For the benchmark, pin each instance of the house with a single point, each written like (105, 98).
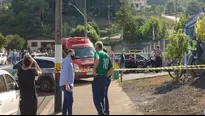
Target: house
(40, 41)
(139, 4)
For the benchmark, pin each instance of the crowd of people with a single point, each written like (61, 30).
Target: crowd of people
(102, 71)
(14, 56)
(49, 53)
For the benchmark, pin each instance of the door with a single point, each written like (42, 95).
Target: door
(14, 94)
(46, 66)
(5, 98)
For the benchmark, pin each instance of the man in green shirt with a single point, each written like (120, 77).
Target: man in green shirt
(102, 70)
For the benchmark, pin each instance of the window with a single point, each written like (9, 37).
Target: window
(34, 44)
(84, 52)
(9, 82)
(139, 57)
(2, 84)
(45, 64)
(18, 65)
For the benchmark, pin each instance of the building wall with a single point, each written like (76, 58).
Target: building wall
(138, 4)
(38, 43)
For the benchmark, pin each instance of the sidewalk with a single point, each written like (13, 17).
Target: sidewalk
(127, 77)
(120, 103)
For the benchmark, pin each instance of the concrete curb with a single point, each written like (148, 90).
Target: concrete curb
(48, 108)
(143, 76)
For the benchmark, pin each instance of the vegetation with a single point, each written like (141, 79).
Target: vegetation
(3, 41)
(138, 27)
(79, 31)
(179, 45)
(181, 23)
(15, 42)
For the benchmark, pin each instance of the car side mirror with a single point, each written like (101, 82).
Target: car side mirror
(15, 86)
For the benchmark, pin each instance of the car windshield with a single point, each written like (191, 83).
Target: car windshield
(84, 53)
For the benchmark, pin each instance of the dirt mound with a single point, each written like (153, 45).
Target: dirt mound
(160, 96)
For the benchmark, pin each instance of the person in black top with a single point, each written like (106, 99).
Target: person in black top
(122, 60)
(26, 80)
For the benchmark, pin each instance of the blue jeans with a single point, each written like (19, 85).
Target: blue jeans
(98, 88)
(68, 101)
(106, 96)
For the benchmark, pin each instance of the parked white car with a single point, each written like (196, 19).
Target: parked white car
(3, 58)
(9, 94)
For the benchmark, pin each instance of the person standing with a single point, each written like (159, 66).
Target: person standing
(102, 70)
(14, 56)
(67, 83)
(17, 55)
(26, 80)
(106, 110)
(9, 57)
(122, 60)
(158, 57)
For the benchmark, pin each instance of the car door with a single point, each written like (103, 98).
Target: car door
(5, 98)
(14, 94)
(47, 67)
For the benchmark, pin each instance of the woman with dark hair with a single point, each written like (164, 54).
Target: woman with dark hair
(27, 86)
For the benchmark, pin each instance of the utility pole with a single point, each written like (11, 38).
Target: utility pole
(58, 54)
(176, 9)
(109, 34)
(85, 17)
(153, 35)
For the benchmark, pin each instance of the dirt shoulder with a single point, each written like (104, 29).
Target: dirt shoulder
(160, 96)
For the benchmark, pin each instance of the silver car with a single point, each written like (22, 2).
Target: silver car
(46, 81)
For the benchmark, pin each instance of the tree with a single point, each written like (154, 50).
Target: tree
(3, 41)
(95, 26)
(179, 45)
(79, 32)
(156, 24)
(27, 17)
(193, 8)
(124, 14)
(132, 29)
(15, 42)
(181, 23)
(65, 30)
(170, 7)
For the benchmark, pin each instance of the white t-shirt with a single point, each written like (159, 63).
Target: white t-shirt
(152, 55)
(17, 54)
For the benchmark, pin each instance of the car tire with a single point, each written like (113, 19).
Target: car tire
(46, 84)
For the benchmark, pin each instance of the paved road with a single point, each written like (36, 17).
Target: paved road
(43, 100)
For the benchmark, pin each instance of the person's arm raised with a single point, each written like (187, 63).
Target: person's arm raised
(38, 69)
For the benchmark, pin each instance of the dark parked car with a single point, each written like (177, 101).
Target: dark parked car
(141, 61)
